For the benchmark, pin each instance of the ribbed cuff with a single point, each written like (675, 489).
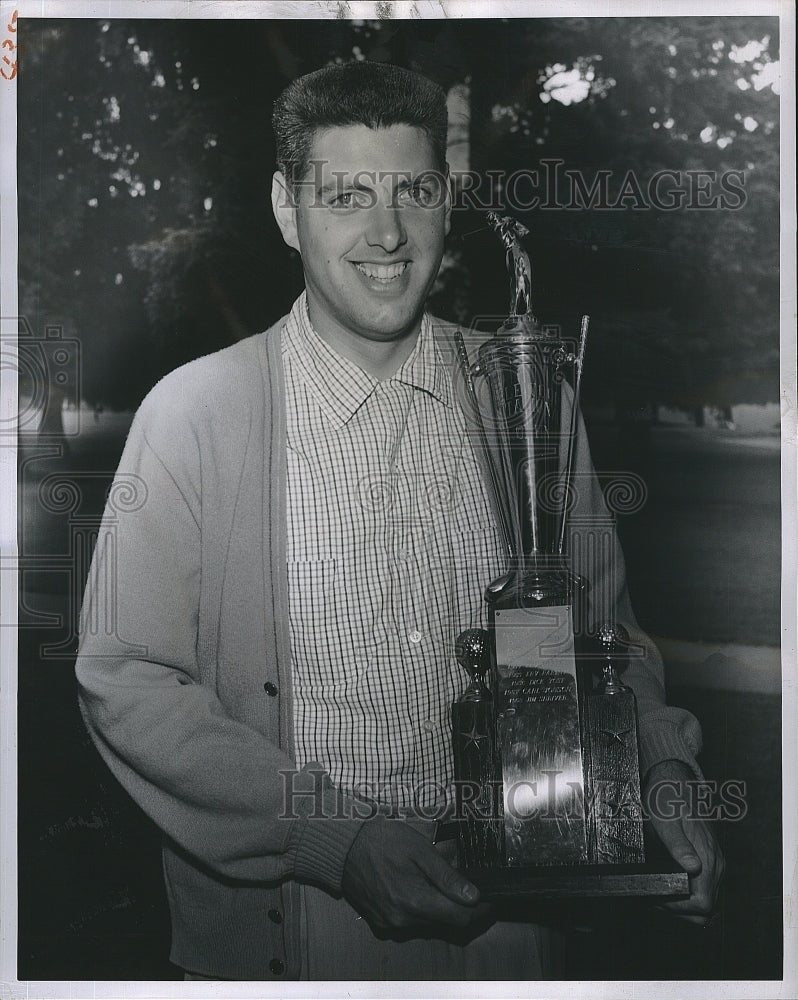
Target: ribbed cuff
(672, 734)
(323, 832)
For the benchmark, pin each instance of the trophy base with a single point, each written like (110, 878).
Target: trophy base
(658, 877)
(579, 881)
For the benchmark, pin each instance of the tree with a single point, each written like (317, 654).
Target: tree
(146, 157)
(696, 287)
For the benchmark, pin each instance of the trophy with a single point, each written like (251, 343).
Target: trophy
(547, 775)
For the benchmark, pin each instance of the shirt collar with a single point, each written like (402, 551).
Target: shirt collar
(425, 368)
(340, 386)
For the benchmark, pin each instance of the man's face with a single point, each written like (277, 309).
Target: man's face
(370, 221)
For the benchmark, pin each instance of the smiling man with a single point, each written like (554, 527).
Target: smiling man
(376, 237)
(266, 658)
(368, 210)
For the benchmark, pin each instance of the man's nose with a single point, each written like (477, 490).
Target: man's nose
(386, 227)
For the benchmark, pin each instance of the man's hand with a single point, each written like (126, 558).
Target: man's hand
(688, 840)
(397, 880)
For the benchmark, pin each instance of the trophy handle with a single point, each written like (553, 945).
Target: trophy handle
(574, 428)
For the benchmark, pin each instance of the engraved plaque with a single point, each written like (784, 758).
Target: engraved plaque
(538, 737)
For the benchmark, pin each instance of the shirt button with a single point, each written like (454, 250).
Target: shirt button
(428, 724)
(276, 966)
(275, 916)
(270, 689)
(415, 636)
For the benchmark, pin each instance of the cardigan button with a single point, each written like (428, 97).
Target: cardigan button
(276, 966)
(270, 689)
(275, 916)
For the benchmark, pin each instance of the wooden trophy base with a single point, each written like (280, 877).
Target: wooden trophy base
(659, 877)
(584, 881)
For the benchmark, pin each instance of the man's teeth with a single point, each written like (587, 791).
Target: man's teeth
(382, 272)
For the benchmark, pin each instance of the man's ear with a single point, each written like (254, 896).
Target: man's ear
(285, 210)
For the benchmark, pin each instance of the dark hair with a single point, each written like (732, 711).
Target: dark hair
(356, 93)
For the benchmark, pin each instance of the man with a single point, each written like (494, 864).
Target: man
(305, 534)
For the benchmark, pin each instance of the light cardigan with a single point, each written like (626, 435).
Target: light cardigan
(184, 664)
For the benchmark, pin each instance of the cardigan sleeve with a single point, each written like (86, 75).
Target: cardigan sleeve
(214, 785)
(665, 732)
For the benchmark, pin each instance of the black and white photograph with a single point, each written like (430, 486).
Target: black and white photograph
(398, 428)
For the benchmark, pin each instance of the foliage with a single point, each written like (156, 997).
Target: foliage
(696, 287)
(146, 159)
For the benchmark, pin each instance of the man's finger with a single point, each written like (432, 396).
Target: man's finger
(679, 846)
(688, 859)
(446, 879)
(704, 885)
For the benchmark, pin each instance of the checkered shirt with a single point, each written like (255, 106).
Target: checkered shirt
(390, 546)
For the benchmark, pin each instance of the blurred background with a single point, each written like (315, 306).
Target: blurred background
(146, 239)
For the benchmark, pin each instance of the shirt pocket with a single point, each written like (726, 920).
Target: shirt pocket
(332, 632)
(475, 535)
(311, 590)
(477, 560)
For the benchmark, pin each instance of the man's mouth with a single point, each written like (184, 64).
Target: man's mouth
(383, 272)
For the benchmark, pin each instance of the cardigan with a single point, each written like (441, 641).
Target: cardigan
(184, 664)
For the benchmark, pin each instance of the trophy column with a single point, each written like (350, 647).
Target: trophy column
(478, 787)
(611, 766)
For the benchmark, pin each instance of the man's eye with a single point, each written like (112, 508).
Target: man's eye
(349, 199)
(425, 195)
